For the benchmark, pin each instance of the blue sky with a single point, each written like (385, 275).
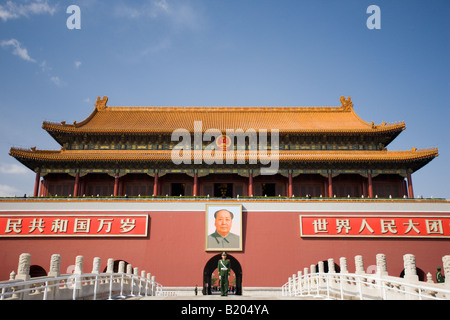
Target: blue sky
(225, 53)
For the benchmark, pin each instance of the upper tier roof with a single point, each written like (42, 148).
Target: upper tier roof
(143, 120)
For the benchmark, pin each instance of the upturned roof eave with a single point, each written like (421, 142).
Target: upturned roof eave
(135, 124)
(283, 155)
(70, 129)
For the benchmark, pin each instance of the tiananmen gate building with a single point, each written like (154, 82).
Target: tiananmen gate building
(302, 184)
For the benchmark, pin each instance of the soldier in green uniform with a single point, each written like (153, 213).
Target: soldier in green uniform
(224, 267)
(439, 277)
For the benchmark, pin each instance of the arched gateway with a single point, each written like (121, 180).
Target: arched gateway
(211, 265)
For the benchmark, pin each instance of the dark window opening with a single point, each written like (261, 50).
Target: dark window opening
(268, 189)
(178, 189)
(223, 190)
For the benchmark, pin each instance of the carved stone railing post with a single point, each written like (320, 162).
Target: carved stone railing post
(306, 279)
(96, 265)
(129, 269)
(344, 269)
(381, 265)
(312, 270)
(331, 268)
(141, 281)
(299, 281)
(446, 264)
(79, 260)
(147, 279)
(409, 264)
(110, 266)
(121, 270)
(23, 269)
(153, 286)
(381, 273)
(128, 280)
(121, 267)
(294, 283)
(136, 273)
(343, 263)
(359, 265)
(55, 265)
(96, 269)
(321, 268)
(331, 271)
(290, 286)
(23, 272)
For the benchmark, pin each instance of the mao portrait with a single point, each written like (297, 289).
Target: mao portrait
(223, 227)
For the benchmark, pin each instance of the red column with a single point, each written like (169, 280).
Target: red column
(194, 192)
(155, 185)
(36, 184)
(120, 187)
(410, 186)
(77, 182)
(369, 177)
(116, 185)
(44, 189)
(290, 184)
(330, 185)
(250, 184)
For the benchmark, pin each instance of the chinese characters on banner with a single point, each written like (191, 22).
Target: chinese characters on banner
(375, 226)
(73, 226)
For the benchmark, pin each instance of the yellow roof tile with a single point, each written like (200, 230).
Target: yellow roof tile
(165, 155)
(167, 119)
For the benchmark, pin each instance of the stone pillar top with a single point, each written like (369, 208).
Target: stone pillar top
(23, 269)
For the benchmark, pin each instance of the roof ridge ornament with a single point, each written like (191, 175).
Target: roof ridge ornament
(346, 105)
(100, 104)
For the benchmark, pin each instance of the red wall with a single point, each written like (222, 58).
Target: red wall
(175, 253)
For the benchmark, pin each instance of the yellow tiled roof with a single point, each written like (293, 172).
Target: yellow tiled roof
(166, 119)
(165, 155)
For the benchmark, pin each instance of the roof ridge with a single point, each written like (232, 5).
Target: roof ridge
(324, 152)
(223, 108)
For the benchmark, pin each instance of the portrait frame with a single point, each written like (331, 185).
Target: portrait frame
(211, 244)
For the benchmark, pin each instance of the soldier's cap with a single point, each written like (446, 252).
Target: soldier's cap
(439, 268)
(224, 253)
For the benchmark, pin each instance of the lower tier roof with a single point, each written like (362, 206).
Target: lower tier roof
(413, 159)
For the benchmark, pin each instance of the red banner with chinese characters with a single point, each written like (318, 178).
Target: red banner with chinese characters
(73, 225)
(374, 226)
